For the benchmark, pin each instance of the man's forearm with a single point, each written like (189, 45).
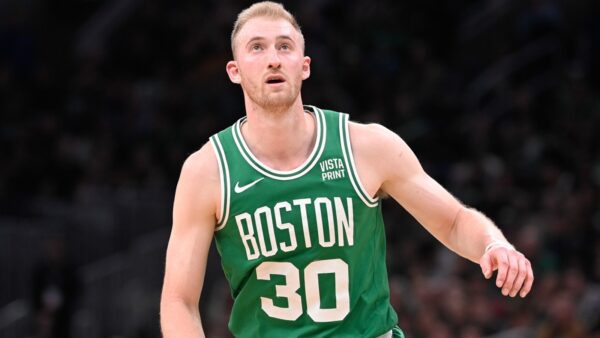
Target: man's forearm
(471, 232)
(177, 319)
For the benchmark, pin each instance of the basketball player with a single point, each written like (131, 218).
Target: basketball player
(292, 195)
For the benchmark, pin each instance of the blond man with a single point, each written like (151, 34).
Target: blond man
(291, 195)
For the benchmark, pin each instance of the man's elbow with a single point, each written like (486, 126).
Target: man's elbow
(460, 214)
(171, 302)
(175, 306)
(177, 314)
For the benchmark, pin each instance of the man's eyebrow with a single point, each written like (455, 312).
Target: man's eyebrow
(256, 38)
(279, 37)
(284, 37)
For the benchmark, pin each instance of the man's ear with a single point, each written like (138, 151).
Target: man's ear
(306, 68)
(233, 71)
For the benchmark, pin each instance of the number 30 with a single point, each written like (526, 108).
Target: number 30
(311, 285)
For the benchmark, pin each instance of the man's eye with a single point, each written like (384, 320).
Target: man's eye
(285, 46)
(256, 47)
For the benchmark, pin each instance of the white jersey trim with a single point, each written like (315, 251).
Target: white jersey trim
(386, 335)
(349, 159)
(310, 162)
(225, 182)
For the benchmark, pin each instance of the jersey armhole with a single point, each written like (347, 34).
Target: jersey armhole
(225, 182)
(349, 161)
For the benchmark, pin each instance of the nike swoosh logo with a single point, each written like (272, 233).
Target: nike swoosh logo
(243, 188)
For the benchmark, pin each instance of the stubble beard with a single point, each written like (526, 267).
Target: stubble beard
(275, 102)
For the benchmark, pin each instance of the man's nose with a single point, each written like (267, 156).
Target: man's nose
(274, 61)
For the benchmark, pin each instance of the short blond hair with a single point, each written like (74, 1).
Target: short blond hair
(267, 9)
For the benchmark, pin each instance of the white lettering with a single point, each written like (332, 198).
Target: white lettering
(320, 231)
(252, 249)
(345, 222)
(266, 232)
(285, 226)
(302, 204)
(270, 231)
(332, 163)
(338, 174)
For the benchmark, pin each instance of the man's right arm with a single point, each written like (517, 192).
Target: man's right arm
(194, 218)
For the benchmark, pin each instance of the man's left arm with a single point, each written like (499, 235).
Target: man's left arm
(462, 229)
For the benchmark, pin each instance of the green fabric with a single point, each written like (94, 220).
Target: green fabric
(397, 332)
(303, 250)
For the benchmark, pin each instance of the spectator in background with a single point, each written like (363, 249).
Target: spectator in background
(83, 113)
(55, 290)
(561, 318)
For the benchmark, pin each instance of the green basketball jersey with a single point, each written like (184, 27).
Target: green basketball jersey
(303, 250)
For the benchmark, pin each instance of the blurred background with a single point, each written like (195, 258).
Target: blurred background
(101, 102)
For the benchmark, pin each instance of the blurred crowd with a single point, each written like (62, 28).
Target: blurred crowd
(499, 99)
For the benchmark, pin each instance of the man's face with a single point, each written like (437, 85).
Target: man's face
(269, 62)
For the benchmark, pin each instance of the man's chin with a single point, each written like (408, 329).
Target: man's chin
(277, 102)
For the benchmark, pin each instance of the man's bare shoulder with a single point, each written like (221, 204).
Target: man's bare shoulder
(198, 189)
(377, 152)
(373, 139)
(202, 165)
(381, 154)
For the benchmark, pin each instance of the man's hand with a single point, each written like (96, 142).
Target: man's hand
(514, 270)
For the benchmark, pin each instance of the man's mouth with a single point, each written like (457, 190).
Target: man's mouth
(275, 79)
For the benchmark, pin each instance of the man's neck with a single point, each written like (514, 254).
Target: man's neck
(282, 140)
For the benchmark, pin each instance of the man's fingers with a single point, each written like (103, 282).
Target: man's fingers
(515, 275)
(522, 273)
(513, 271)
(528, 280)
(499, 255)
(486, 266)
